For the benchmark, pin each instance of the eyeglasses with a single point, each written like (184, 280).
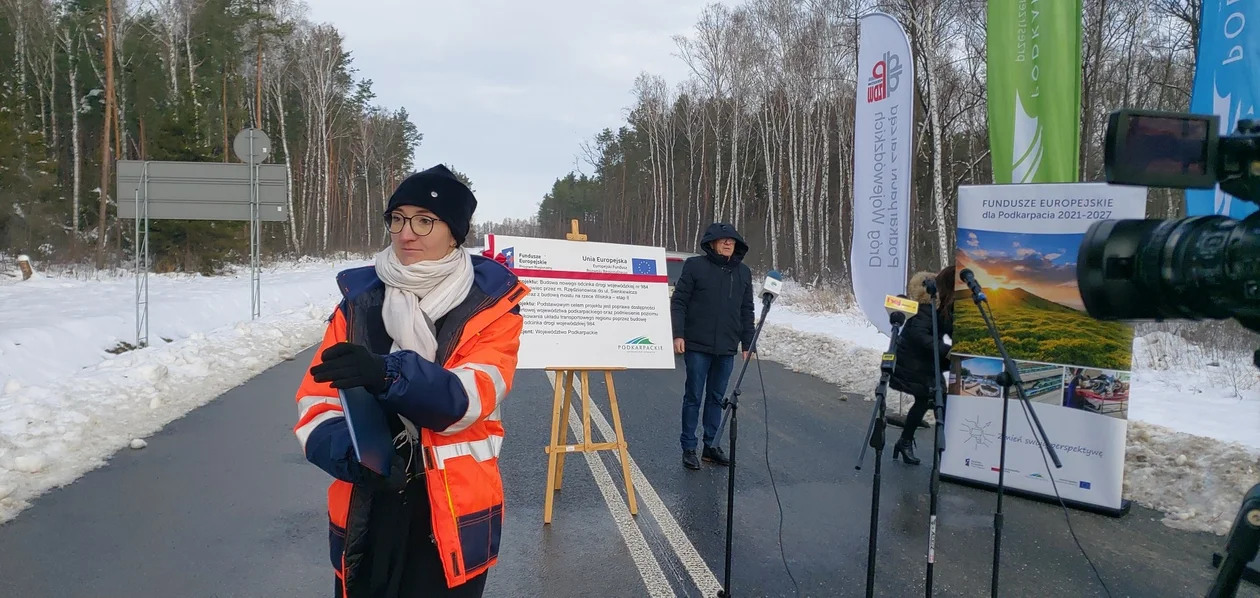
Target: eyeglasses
(420, 224)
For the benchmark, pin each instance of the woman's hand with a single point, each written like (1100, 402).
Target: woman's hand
(347, 365)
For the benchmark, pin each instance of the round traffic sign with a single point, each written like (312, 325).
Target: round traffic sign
(261, 146)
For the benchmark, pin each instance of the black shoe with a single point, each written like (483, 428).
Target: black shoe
(689, 460)
(715, 455)
(905, 447)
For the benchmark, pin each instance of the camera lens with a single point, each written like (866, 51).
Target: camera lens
(1195, 268)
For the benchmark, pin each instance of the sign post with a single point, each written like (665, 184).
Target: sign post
(252, 146)
(169, 190)
(593, 307)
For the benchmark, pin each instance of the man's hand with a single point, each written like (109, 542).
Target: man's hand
(347, 365)
(680, 346)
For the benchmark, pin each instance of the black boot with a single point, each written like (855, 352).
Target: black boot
(715, 454)
(905, 447)
(689, 459)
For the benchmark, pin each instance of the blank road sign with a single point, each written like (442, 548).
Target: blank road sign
(201, 190)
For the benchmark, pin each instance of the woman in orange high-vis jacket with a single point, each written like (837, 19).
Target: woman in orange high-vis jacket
(433, 332)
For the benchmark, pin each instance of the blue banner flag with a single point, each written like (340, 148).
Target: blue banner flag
(1226, 83)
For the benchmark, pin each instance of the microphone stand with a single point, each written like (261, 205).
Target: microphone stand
(1008, 377)
(1240, 548)
(938, 446)
(733, 403)
(875, 434)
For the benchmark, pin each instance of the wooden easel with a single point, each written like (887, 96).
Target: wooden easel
(562, 399)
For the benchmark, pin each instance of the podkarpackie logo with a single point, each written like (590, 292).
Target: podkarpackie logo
(885, 78)
(640, 344)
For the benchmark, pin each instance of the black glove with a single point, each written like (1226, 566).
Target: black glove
(347, 365)
(396, 481)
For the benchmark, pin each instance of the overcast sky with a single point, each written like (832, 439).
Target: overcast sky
(506, 91)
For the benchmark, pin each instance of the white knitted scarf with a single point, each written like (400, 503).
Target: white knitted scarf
(418, 295)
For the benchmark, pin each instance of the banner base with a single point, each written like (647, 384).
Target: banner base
(1251, 574)
(1125, 504)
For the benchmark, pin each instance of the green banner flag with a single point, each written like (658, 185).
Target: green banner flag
(1034, 87)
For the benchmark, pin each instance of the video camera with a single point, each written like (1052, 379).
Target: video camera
(1202, 267)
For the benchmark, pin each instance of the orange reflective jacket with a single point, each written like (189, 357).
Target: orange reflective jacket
(456, 408)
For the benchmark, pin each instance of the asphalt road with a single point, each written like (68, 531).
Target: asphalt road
(221, 503)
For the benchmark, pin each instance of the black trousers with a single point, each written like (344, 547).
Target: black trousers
(422, 572)
(914, 417)
(425, 583)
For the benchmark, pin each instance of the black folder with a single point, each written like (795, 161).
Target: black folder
(369, 429)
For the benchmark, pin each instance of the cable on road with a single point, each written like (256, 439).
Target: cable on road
(1066, 516)
(765, 404)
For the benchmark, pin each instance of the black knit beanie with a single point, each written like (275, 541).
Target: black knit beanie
(438, 191)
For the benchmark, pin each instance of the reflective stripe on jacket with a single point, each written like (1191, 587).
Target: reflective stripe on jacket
(456, 406)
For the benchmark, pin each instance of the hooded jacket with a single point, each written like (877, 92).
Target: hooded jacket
(712, 305)
(913, 372)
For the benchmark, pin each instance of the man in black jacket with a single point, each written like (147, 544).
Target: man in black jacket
(712, 309)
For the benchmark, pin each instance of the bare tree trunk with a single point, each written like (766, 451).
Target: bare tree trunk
(772, 181)
(719, 200)
(825, 188)
(934, 118)
(288, 170)
(733, 185)
(227, 145)
(325, 170)
(258, 86)
(105, 153)
(69, 40)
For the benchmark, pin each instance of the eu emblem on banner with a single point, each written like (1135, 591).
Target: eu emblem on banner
(509, 257)
(644, 266)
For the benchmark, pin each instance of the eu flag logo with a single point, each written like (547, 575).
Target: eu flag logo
(509, 256)
(644, 266)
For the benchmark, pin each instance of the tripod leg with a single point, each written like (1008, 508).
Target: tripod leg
(554, 452)
(564, 426)
(621, 442)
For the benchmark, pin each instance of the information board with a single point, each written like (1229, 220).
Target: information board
(1021, 242)
(590, 304)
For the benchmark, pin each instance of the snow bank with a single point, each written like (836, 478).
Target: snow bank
(1194, 421)
(67, 402)
(52, 326)
(54, 431)
(1198, 482)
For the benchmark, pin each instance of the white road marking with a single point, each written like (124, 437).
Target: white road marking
(649, 569)
(686, 552)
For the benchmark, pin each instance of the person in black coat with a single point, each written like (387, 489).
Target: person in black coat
(712, 312)
(913, 373)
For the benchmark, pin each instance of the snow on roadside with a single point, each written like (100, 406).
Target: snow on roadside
(54, 325)
(53, 432)
(1193, 442)
(67, 403)
(1198, 482)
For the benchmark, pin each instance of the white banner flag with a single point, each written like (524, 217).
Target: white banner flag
(882, 152)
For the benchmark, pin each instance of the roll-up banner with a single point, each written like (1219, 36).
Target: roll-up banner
(883, 150)
(1021, 243)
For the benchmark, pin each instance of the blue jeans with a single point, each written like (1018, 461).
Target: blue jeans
(707, 375)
